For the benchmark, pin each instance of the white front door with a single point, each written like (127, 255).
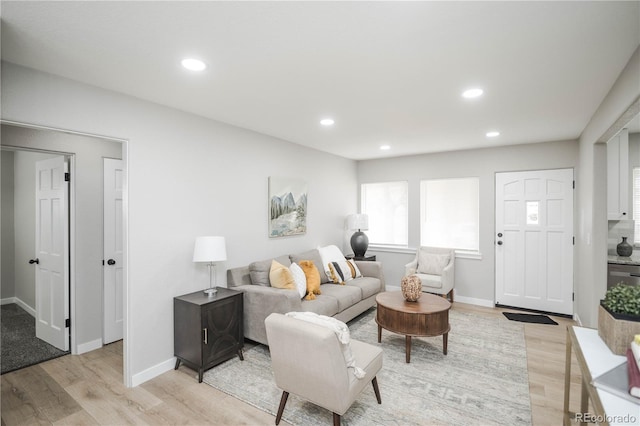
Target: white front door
(534, 240)
(52, 252)
(113, 244)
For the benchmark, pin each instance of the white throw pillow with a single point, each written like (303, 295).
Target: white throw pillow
(300, 279)
(433, 264)
(335, 265)
(342, 333)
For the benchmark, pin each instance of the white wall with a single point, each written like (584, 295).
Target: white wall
(187, 176)
(7, 285)
(475, 279)
(591, 241)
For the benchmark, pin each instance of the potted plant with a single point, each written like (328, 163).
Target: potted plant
(619, 317)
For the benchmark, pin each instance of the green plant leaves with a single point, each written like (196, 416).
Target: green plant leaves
(623, 299)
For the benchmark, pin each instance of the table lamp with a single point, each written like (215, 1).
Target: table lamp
(359, 240)
(210, 250)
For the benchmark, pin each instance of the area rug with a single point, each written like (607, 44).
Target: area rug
(482, 381)
(530, 318)
(20, 346)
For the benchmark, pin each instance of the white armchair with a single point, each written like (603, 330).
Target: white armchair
(307, 360)
(435, 267)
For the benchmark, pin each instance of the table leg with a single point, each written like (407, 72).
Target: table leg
(379, 333)
(567, 377)
(584, 399)
(408, 349)
(445, 338)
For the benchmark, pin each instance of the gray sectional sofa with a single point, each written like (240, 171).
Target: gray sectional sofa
(343, 302)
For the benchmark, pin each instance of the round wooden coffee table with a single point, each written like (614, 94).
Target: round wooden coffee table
(428, 316)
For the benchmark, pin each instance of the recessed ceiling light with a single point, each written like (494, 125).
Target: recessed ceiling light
(327, 122)
(472, 93)
(385, 147)
(193, 64)
(493, 134)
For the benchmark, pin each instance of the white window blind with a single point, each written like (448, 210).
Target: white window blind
(387, 206)
(449, 213)
(636, 204)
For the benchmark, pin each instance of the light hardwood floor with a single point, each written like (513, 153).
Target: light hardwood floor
(87, 389)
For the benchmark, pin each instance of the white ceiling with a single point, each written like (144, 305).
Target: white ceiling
(387, 72)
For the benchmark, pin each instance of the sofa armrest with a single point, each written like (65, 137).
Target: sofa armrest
(260, 302)
(372, 269)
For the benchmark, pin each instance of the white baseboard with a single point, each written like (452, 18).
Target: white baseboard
(576, 318)
(152, 372)
(89, 346)
(20, 303)
(474, 301)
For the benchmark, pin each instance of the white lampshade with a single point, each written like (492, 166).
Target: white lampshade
(210, 249)
(358, 221)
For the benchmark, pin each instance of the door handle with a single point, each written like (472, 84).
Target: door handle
(36, 261)
(206, 336)
(500, 234)
(499, 243)
(111, 262)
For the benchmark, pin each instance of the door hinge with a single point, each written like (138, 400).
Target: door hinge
(67, 177)
(574, 241)
(573, 297)
(574, 184)
(67, 322)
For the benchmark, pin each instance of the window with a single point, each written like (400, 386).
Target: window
(636, 204)
(449, 213)
(387, 206)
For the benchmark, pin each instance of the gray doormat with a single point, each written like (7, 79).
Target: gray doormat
(20, 346)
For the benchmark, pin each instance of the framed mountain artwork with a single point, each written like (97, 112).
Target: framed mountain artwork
(287, 207)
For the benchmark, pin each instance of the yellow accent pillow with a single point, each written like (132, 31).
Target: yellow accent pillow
(280, 276)
(313, 278)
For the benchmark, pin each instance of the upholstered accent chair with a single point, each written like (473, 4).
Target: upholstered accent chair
(435, 267)
(308, 360)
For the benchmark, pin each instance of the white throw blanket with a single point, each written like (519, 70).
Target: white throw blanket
(342, 332)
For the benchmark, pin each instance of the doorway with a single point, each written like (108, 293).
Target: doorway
(86, 223)
(534, 240)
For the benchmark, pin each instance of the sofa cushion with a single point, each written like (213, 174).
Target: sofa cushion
(314, 256)
(345, 295)
(431, 281)
(321, 305)
(281, 277)
(367, 285)
(259, 271)
(430, 263)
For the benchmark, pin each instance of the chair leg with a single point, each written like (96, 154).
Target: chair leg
(336, 419)
(283, 402)
(374, 382)
(451, 296)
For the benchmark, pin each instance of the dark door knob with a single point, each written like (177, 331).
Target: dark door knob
(36, 261)
(111, 262)
(500, 234)
(499, 243)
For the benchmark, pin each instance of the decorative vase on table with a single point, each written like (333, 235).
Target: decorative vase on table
(411, 287)
(624, 249)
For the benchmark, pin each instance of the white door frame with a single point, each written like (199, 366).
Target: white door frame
(127, 355)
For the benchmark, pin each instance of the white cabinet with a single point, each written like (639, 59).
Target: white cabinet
(618, 177)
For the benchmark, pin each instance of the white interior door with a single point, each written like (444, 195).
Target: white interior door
(534, 240)
(52, 252)
(113, 242)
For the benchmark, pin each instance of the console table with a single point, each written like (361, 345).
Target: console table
(595, 358)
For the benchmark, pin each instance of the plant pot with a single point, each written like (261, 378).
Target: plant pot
(617, 330)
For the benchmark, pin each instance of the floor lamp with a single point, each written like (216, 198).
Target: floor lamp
(210, 250)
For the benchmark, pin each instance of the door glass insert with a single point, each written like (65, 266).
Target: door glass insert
(533, 217)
